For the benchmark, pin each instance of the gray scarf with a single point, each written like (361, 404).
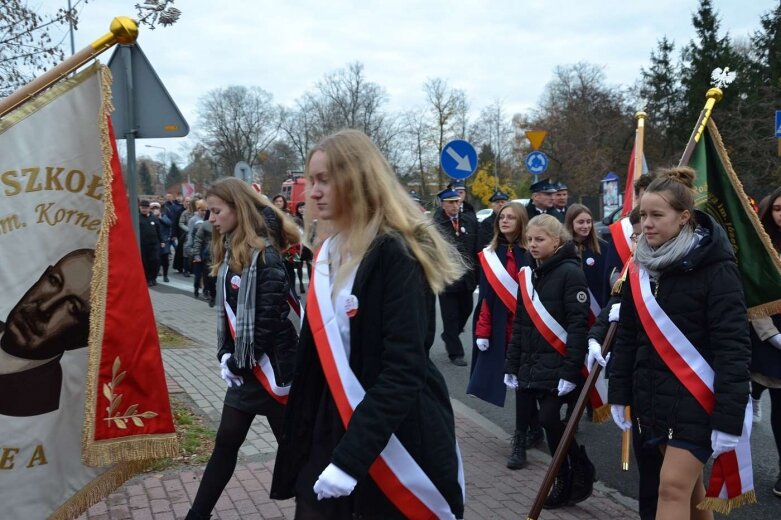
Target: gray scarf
(656, 260)
(245, 312)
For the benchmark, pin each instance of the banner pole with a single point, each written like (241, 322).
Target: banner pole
(569, 431)
(713, 96)
(122, 30)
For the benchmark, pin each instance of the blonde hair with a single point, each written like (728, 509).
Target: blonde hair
(551, 226)
(519, 237)
(373, 202)
(569, 219)
(251, 227)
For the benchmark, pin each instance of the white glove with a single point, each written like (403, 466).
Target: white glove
(228, 376)
(482, 344)
(775, 341)
(722, 442)
(614, 311)
(595, 354)
(617, 411)
(511, 380)
(333, 483)
(565, 387)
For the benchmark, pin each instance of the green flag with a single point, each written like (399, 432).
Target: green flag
(720, 194)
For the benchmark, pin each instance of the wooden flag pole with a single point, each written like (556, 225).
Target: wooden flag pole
(569, 431)
(639, 136)
(713, 96)
(123, 30)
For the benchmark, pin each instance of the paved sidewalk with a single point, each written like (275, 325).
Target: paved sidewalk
(493, 491)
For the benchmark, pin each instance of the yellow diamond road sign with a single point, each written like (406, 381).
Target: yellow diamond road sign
(536, 137)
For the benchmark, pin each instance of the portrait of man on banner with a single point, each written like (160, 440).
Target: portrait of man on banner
(52, 317)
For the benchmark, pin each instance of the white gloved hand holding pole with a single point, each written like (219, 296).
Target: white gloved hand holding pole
(595, 354)
(775, 341)
(511, 380)
(617, 411)
(333, 483)
(228, 376)
(482, 344)
(615, 310)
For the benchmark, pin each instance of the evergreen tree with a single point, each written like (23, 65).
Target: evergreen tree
(767, 48)
(661, 89)
(174, 176)
(145, 180)
(700, 58)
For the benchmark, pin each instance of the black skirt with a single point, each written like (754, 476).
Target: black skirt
(251, 397)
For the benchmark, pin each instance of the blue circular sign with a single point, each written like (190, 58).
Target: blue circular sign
(536, 162)
(458, 159)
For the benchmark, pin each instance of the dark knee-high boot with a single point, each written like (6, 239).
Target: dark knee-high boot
(561, 490)
(517, 458)
(583, 476)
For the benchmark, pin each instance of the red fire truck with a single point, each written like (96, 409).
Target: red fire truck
(293, 189)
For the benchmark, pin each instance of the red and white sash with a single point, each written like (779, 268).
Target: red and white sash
(503, 284)
(732, 480)
(555, 334)
(395, 472)
(593, 308)
(621, 231)
(263, 370)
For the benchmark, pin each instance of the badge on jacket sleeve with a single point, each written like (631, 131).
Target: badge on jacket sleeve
(351, 306)
(581, 297)
(590, 261)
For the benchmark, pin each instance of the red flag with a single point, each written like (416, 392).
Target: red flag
(629, 191)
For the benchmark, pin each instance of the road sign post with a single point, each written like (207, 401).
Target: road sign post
(458, 159)
(536, 162)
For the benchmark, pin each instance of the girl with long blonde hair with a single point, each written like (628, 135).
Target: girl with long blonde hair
(365, 388)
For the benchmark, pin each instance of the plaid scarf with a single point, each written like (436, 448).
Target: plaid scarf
(245, 312)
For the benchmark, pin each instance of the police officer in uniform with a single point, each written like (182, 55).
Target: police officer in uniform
(486, 227)
(460, 188)
(542, 198)
(151, 239)
(560, 201)
(455, 302)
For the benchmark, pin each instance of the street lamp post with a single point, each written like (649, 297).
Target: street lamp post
(161, 178)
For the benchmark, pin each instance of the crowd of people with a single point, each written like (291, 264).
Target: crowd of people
(362, 415)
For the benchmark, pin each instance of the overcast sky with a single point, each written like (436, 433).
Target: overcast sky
(493, 50)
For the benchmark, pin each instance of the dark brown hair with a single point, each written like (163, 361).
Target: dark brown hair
(519, 236)
(766, 217)
(569, 218)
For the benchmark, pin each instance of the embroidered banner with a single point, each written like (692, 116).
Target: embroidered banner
(83, 400)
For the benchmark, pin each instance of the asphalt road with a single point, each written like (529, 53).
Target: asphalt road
(603, 441)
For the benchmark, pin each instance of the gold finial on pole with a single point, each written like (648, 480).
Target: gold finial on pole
(713, 96)
(123, 30)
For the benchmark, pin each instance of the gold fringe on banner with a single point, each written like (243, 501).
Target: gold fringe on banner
(726, 505)
(97, 490)
(139, 447)
(770, 308)
(601, 414)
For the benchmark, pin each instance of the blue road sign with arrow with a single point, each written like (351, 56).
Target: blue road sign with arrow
(458, 159)
(536, 162)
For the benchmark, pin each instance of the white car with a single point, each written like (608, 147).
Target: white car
(483, 214)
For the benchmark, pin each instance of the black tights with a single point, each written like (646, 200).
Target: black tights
(549, 415)
(775, 412)
(532, 422)
(231, 434)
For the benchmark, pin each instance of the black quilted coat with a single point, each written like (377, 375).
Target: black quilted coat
(703, 295)
(561, 286)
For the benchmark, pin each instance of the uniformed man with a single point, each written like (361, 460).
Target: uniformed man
(542, 198)
(460, 188)
(151, 240)
(455, 302)
(498, 201)
(560, 201)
